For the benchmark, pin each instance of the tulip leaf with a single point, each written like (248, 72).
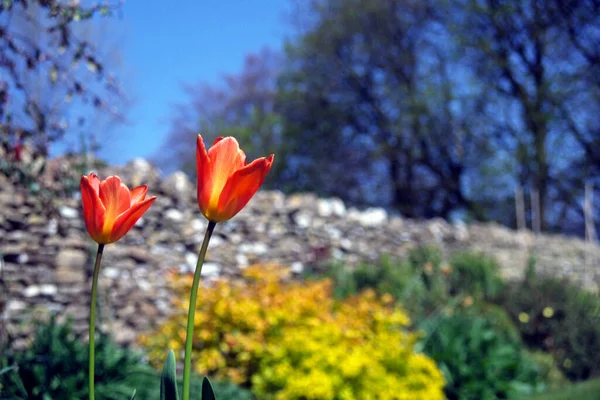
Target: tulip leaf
(168, 379)
(133, 394)
(207, 390)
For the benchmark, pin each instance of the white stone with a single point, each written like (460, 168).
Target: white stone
(215, 241)
(253, 248)
(52, 227)
(22, 258)
(211, 269)
(346, 244)
(31, 291)
(198, 225)
(111, 273)
(241, 259)
(371, 217)
(337, 254)
(190, 261)
(329, 207)
(144, 284)
(48, 289)
(68, 212)
(174, 215)
(297, 267)
(462, 232)
(140, 165)
(302, 219)
(16, 305)
(178, 181)
(333, 233)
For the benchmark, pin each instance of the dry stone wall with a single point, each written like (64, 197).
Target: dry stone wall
(47, 256)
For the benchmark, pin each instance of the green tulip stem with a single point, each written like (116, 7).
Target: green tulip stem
(189, 338)
(93, 318)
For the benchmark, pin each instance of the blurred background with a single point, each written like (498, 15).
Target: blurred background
(470, 111)
(431, 109)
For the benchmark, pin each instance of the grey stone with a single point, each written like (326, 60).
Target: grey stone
(70, 266)
(177, 185)
(294, 231)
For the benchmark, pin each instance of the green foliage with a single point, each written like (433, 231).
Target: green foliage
(550, 372)
(589, 390)
(480, 360)
(556, 316)
(425, 254)
(422, 282)
(56, 364)
(475, 274)
(207, 390)
(419, 291)
(55, 367)
(168, 379)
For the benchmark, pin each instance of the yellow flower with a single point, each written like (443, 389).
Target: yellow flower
(548, 312)
(524, 317)
(292, 340)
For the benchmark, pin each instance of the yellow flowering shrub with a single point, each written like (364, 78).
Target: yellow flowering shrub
(292, 340)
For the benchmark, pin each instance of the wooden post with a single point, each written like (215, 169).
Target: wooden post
(536, 222)
(588, 212)
(520, 208)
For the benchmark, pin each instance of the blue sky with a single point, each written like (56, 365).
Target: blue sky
(167, 43)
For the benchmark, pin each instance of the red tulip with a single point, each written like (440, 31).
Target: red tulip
(110, 209)
(225, 182)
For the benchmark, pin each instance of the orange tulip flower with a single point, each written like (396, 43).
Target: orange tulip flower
(110, 209)
(225, 182)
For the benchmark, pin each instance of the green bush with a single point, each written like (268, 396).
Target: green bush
(476, 275)
(55, 367)
(551, 374)
(556, 316)
(422, 282)
(417, 282)
(480, 359)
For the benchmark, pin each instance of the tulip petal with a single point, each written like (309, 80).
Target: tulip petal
(226, 157)
(95, 181)
(93, 210)
(138, 194)
(128, 218)
(204, 181)
(241, 187)
(115, 196)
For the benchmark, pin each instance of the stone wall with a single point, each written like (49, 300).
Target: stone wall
(48, 256)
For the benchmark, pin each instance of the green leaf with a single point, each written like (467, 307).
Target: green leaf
(207, 390)
(7, 369)
(168, 380)
(133, 395)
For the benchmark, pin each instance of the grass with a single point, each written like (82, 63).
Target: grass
(589, 390)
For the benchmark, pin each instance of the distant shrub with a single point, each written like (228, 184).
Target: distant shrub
(475, 274)
(419, 282)
(479, 358)
(55, 367)
(549, 371)
(293, 340)
(556, 316)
